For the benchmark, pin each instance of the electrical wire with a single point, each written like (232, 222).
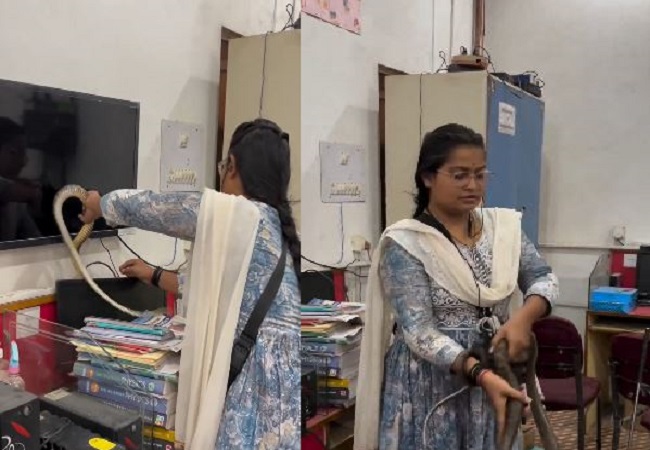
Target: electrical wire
(291, 10)
(176, 270)
(109, 255)
(444, 67)
(102, 263)
(487, 54)
(173, 257)
(345, 268)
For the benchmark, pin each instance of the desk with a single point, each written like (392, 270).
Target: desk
(334, 426)
(601, 326)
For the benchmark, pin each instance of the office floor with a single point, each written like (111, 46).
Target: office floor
(565, 426)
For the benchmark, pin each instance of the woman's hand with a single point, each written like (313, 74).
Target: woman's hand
(92, 209)
(136, 268)
(499, 391)
(516, 332)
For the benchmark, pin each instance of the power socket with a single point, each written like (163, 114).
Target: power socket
(360, 246)
(358, 243)
(618, 233)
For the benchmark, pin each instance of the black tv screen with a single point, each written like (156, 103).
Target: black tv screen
(50, 138)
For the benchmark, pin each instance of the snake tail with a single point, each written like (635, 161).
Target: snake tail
(548, 437)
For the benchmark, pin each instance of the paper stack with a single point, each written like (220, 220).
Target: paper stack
(133, 365)
(331, 338)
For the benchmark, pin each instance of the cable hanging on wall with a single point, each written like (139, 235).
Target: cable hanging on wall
(291, 23)
(290, 9)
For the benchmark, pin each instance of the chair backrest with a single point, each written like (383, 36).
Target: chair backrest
(559, 348)
(626, 354)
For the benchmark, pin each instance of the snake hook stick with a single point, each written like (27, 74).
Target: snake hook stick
(74, 191)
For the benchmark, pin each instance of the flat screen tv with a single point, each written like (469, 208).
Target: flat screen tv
(50, 138)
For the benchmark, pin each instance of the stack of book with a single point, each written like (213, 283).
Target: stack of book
(133, 366)
(331, 338)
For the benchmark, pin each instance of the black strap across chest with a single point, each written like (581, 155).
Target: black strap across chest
(244, 344)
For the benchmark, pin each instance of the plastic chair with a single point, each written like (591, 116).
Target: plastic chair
(559, 370)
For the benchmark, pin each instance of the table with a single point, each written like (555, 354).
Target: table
(601, 327)
(324, 425)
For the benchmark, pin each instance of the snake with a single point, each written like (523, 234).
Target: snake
(499, 362)
(75, 191)
(513, 374)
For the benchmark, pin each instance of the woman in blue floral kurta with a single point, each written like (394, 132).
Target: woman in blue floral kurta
(433, 327)
(261, 409)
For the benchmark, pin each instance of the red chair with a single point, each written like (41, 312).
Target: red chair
(559, 369)
(625, 374)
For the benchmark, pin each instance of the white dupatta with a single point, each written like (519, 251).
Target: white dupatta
(442, 262)
(220, 258)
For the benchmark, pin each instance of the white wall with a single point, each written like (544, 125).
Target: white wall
(340, 102)
(163, 54)
(593, 57)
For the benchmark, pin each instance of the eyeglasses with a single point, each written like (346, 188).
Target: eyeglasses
(463, 177)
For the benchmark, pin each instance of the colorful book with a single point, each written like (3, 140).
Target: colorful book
(149, 417)
(344, 362)
(336, 394)
(156, 444)
(134, 369)
(330, 349)
(143, 328)
(135, 382)
(137, 401)
(337, 383)
(160, 433)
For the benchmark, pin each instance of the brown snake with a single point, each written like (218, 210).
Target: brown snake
(499, 363)
(73, 246)
(514, 408)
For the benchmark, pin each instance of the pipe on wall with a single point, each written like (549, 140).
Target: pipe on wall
(479, 25)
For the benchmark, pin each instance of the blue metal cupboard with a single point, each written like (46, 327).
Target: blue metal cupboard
(511, 120)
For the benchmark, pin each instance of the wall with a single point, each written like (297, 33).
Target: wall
(340, 102)
(164, 55)
(595, 151)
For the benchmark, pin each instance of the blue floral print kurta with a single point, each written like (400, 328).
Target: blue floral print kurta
(433, 329)
(262, 409)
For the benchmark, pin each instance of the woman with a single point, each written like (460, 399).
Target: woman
(439, 276)
(260, 409)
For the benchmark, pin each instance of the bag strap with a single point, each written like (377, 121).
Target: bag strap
(244, 344)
